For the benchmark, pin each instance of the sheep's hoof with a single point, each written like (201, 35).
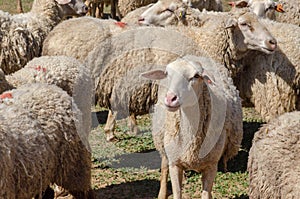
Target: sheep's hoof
(110, 137)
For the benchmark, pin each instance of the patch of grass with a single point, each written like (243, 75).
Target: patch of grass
(11, 5)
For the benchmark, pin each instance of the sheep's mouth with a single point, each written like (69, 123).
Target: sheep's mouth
(268, 50)
(172, 108)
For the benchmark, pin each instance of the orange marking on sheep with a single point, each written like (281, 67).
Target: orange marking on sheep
(120, 24)
(6, 95)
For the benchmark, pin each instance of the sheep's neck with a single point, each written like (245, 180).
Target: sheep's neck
(233, 51)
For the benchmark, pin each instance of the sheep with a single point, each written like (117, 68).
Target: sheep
(22, 35)
(65, 72)
(19, 6)
(274, 158)
(263, 8)
(272, 82)
(197, 120)
(113, 41)
(231, 35)
(126, 6)
(40, 143)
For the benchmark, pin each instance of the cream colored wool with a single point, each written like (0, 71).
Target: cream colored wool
(40, 144)
(274, 159)
(22, 35)
(64, 72)
(291, 14)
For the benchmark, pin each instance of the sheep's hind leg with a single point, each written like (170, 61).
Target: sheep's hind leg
(176, 174)
(132, 124)
(208, 177)
(110, 126)
(163, 191)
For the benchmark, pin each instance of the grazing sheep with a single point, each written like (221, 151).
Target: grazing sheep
(263, 8)
(22, 35)
(66, 73)
(198, 119)
(274, 158)
(272, 82)
(40, 143)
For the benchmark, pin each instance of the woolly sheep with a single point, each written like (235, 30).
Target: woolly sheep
(22, 35)
(111, 45)
(274, 159)
(198, 119)
(66, 73)
(263, 8)
(231, 35)
(272, 82)
(40, 143)
(126, 6)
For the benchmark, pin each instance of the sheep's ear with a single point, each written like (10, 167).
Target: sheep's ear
(208, 78)
(231, 23)
(154, 75)
(279, 8)
(241, 4)
(63, 2)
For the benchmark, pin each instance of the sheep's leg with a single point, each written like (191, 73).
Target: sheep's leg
(110, 126)
(176, 174)
(132, 124)
(163, 191)
(208, 176)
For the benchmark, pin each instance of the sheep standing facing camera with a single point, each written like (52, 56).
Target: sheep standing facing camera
(22, 35)
(40, 143)
(274, 158)
(198, 119)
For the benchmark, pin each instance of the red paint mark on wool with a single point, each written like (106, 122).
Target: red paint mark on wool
(120, 24)
(6, 95)
(39, 68)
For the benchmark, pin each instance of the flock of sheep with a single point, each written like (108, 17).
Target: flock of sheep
(188, 62)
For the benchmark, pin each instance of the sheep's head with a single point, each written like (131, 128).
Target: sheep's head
(182, 82)
(163, 13)
(249, 33)
(262, 8)
(73, 7)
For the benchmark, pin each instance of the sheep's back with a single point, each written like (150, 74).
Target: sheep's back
(273, 159)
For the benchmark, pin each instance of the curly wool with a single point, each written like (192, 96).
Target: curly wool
(64, 72)
(274, 159)
(22, 35)
(40, 143)
(291, 14)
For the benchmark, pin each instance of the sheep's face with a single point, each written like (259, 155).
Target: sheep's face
(73, 7)
(249, 33)
(162, 14)
(182, 83)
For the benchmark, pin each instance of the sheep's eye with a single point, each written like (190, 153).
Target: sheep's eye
(243, 24)
(196, 76)
(168, 9)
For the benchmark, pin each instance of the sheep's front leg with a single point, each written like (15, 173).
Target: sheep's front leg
(132, 124)
(208, 177)
(176, 175)
(110, 126)
(163, 191)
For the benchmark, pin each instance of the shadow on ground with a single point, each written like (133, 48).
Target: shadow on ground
(144, 189)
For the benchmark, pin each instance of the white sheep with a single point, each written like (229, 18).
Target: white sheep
(272, 82)
(126, 6)
(274, 158)
(22, 35)
(263, 8)
(64, 72)
(40, 143)
(198, 119)
(118, 48)
(231, 35)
